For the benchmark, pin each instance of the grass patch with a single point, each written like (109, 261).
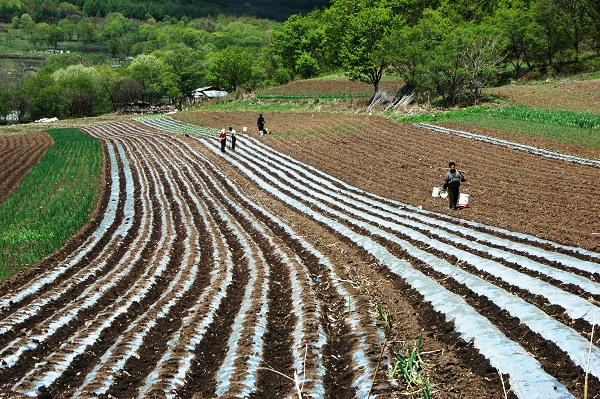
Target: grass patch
(571, 127)
(245, 106)
(315, 95)
(52, 202)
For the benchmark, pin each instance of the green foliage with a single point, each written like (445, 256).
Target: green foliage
(384, 315)
(230, 68)
(152, 74)
(361, 29)
(185, 69)
(564, 126)
(551, 117)
(299, 43)
(10, 8)
(307, 66)
(52, 202)
(409, 366)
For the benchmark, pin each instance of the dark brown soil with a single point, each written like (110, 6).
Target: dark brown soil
(18, 153)
(191, 201)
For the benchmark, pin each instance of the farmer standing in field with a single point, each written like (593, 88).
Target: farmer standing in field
(233, 138)
(452, 182)
(261, 124)
(223, 137)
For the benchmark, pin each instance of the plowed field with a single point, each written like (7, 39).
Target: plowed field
(234, 274)
(18, 153)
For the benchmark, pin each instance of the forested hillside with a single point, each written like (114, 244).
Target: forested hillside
(50, 10)
(97, 55)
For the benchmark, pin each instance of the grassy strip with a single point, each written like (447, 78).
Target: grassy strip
(322, 96)
(52, 202)
(257, 107)
(564, 126)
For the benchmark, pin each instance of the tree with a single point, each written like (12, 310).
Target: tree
(230, 68)
(115, 32)
(68, 28)
(482, 55)
(521, 41)
(306, 66)
(547, 16)
(149, 71)
(5, 106)
(574, 21)
(86, 32)
(186, 67)
(593, 10)
(81, 90)
(301, 37)
(38, 33)
(108, 81)
(447, 70)
(54, 35)
(411, 49)
(10, 8)
(27, 25)
(362, 27)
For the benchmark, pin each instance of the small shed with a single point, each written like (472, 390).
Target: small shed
(206, 93)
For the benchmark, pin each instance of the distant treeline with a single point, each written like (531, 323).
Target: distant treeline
(446, 51)
(54, 10)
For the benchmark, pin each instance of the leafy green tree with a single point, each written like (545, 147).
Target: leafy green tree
(411, 49)
(187, 70)
(194, 38)
(521, 40)
(116, 31)
(593, 10)
(574, 22)
(447, 70)
(27, 25)
(47, 99)
(362, 53)
(307, 66)
(68, 28)
(80, 88)
(301, 37)
(243, 33)
(230, 68)
(54, 35)
(149, 71)
(11, 8)
(547, 16)
(39, 33)
(108, 81)
(86, 32)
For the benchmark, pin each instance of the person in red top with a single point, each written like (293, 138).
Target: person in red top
(223, 137)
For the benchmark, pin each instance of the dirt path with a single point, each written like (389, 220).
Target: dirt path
(219, 275)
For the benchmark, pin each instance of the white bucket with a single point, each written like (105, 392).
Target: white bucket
(262, 132)
(245, 129)
(463, 200)
(436, 192)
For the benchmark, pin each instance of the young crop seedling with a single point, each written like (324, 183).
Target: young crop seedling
(385, 316)
(409, 367)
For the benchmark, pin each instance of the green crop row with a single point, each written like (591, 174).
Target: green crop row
(52, 202)
(548, 116)
(565, 126)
